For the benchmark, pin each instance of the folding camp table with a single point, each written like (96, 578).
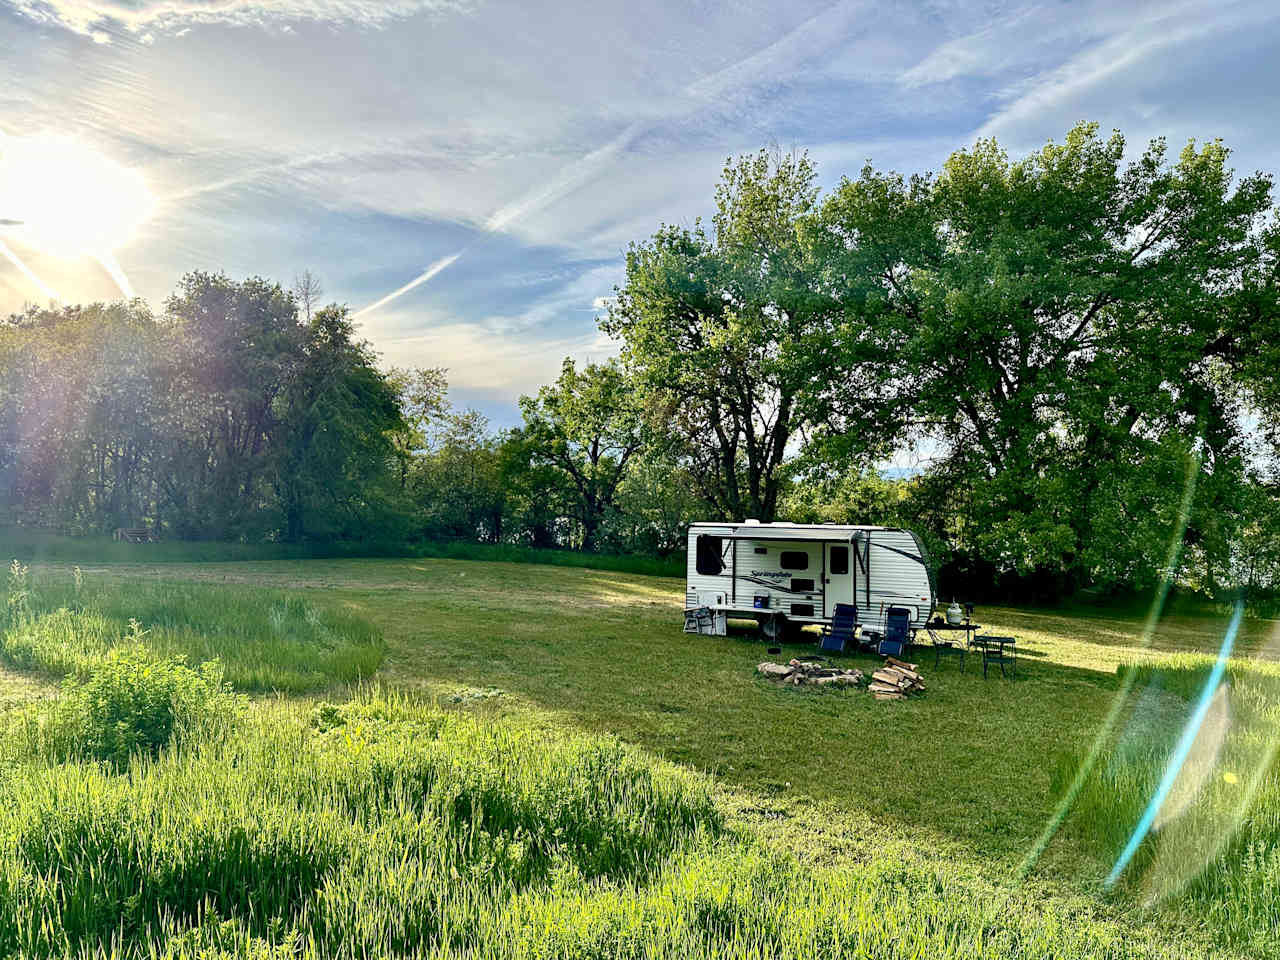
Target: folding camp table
(960, 645)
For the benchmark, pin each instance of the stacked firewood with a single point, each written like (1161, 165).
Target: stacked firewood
(820, 673)
(895, 680)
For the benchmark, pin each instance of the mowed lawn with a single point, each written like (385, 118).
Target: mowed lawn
(968, 775)
(971, 761)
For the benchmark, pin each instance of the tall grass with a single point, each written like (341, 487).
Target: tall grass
(386, 829)
(67, 623)
(1215, 846)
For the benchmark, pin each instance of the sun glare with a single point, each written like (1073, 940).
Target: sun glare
(71, 200)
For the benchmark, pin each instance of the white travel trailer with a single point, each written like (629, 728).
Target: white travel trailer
(786, 575)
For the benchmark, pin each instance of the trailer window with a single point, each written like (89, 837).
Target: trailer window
(839, 560)
(710, 557)
(794, 560)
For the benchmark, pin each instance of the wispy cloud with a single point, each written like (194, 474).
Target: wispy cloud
(504, 156)
(83, 16)
(1143, 36)
(806, 41)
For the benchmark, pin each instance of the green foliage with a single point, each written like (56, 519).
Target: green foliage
(383, 827)
(1059, 326)
(132, 703)
(1079, 344)
(334, 473)
(729, 333)
(657, 500)
(230, 417)
(395, 830)
(391, 829)
(587, 426)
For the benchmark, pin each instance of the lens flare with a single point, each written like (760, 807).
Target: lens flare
(1182, 750)
(1112, 718)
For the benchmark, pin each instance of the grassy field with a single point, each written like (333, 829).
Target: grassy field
(34, 545)
(796, 823)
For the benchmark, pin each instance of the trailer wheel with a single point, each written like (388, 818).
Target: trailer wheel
(773, 628)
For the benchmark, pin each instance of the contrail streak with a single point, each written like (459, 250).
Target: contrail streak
(112, 266)
(27, 272)
(807, 40)
(442, 264)
(566, 181)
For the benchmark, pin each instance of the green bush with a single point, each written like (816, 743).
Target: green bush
(136, 704)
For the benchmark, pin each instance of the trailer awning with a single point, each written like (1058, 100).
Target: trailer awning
(862, 536)
(757, 536)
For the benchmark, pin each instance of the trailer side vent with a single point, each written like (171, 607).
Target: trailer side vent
(802, 609)
(794, 560)
(800, 585)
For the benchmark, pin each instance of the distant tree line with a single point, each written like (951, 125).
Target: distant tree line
(1080, 350)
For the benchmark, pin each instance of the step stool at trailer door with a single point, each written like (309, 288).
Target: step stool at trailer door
(704, 620)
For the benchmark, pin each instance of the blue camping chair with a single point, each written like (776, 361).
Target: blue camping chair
(844, 623)
(897, 632)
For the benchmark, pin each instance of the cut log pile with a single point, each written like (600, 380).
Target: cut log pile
(800, 672)
(895, 680)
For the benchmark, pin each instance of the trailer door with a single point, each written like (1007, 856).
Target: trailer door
(839, 585)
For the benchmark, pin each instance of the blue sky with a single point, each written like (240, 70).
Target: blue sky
(519, 146)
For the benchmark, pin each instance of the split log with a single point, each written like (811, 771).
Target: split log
(891, 677)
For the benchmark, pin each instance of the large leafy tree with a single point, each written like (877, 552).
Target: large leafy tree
(333, 444)
(458, 484)
(81, 407)
(238, 345)
(730, 332)
(587, 426)
(1061, 329)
